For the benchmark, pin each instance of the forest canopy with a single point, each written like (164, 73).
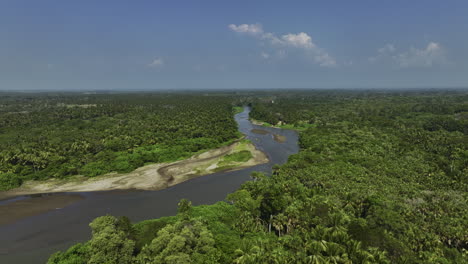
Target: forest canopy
(46, 136)
(381, 177)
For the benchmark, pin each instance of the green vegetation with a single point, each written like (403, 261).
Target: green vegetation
(238, 109)
(241, 156)
(382, 177)
(46, 136)
(196, 235)
(231, 160)
(394, 165)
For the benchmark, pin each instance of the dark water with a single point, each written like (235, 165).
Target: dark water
(33, 239)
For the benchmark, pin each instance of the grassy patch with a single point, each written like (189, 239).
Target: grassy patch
(223, 168)
(230, 161)
(241, 156)
(243, 145)
(299, 127)
(238, 109)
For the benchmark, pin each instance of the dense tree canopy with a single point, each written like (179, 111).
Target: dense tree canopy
(382, 177)
(58, 135)
(396, 165)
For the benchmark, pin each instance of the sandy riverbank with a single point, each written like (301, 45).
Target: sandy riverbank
(150, 177)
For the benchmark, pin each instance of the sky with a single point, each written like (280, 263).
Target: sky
(152, 45)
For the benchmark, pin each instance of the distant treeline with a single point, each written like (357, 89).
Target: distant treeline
(55, 136)
(380, 178)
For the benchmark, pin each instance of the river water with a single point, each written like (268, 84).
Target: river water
(33, 239)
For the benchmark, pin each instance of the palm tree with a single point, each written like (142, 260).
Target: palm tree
(316, 259)
(378, 256)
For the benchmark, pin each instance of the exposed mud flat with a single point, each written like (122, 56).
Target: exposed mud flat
(276, 137)
(259, 131)
(15, 210)
(150, 177)
(279, 138)
(256, 122)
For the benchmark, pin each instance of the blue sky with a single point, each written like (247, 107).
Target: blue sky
(145, 45)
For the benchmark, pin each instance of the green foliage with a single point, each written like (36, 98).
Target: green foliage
(9, 181)
(182, 242)
(219, 219)
(56, 136)
(241, 156)
(146, 231)
(185, 208)
(112, 242)
(380, 178)
(395, 164)
(238, 109)
(77, 254)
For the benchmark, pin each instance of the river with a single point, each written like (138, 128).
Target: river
(33, 238)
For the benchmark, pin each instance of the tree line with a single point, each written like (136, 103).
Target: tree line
(381, 177)
(46, 136)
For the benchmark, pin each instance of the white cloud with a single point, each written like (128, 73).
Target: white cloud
(323, 59)
(265, 55)
(157, 63)
(383, 53)
(301, 41)
(433, 54)
(254, 29)
(389, 48)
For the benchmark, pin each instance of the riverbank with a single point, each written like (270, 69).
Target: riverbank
(150, 177)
